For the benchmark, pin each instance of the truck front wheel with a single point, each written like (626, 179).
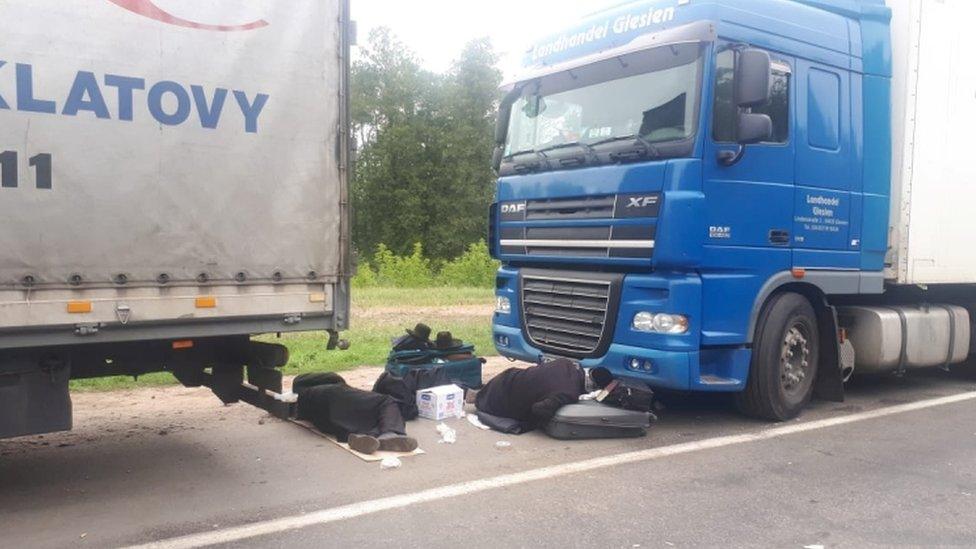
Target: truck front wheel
(785, 359)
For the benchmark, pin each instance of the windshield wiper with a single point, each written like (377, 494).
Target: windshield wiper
(646, 147)
(541, 162)
(576, 160)
(580, 144)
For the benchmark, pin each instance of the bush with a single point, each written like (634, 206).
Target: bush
(475, 268)
(365, 276)
(411, 271)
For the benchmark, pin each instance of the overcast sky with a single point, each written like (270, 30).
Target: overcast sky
(437, 29)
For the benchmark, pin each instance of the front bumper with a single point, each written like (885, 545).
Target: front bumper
(662, 361)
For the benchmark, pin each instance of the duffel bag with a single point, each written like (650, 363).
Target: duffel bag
(465, 373)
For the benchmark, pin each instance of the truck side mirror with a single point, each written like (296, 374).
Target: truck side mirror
(753, 76)
(753, 128)
(753, 71)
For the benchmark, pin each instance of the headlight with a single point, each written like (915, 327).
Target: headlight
(660, 323)
(503, 305)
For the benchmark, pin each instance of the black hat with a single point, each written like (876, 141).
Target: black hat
(445, 341)
(420, 331)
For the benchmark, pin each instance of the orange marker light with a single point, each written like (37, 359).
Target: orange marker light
(799, 273)
(208, 302)
(184, 344)
(79, 307)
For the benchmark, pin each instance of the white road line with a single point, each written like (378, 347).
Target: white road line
(355, 510)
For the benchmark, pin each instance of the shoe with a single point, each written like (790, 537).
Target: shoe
(364, 444)
(391, 442)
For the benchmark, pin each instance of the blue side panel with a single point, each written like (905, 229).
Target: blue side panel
(876, 40)
(877, 171)
(827, 260)
(857, 134)
(856, 232)
(825, 166)
(823, 150)
(679, 244)
(732, 279)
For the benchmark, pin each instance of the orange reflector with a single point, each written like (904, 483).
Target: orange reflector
(316, 298)
(208, 302)
(79, 307)
(799, 273)
(184, 344)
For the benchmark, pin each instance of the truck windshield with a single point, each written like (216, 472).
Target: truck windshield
(649, 97)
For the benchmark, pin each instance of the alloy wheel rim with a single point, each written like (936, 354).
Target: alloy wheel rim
(795, 358)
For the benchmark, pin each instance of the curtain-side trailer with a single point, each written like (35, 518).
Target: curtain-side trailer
(173, 183)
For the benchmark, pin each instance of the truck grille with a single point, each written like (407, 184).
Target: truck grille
(629, 242)
(561, 227)
(587, 207)
(569, 316)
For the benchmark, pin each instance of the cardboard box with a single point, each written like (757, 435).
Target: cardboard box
(442, 402)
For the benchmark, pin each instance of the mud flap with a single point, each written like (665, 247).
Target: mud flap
(263, 362)
(830, 377)
(226, 382)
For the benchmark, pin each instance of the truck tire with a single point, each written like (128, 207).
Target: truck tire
(785, 360)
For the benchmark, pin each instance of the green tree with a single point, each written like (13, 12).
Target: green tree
(425, 146)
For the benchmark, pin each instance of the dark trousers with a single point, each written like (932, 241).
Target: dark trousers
(338, 409)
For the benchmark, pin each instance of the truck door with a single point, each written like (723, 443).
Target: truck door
(827, 187)
(750, 204)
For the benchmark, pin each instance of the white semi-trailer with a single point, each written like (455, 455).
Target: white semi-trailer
(173, 181)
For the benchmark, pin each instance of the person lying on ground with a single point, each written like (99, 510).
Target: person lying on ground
(531, 396)
(367, 421)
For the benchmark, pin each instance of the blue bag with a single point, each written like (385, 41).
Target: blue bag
(465, 372)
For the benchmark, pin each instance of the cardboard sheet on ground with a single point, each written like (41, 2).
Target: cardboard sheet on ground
(378, 456)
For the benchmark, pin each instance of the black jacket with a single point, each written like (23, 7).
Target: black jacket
(532, 396)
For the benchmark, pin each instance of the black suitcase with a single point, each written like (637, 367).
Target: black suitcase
(591, 419)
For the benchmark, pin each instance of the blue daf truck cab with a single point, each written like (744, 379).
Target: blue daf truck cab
(689, 189)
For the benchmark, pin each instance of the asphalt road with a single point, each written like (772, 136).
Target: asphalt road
(870, 472)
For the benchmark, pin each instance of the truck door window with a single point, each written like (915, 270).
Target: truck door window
(725, 112)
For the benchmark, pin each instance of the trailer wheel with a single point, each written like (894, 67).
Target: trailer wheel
(785, 360)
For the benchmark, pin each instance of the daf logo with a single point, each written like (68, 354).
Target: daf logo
(513, 208)
(642, 201)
